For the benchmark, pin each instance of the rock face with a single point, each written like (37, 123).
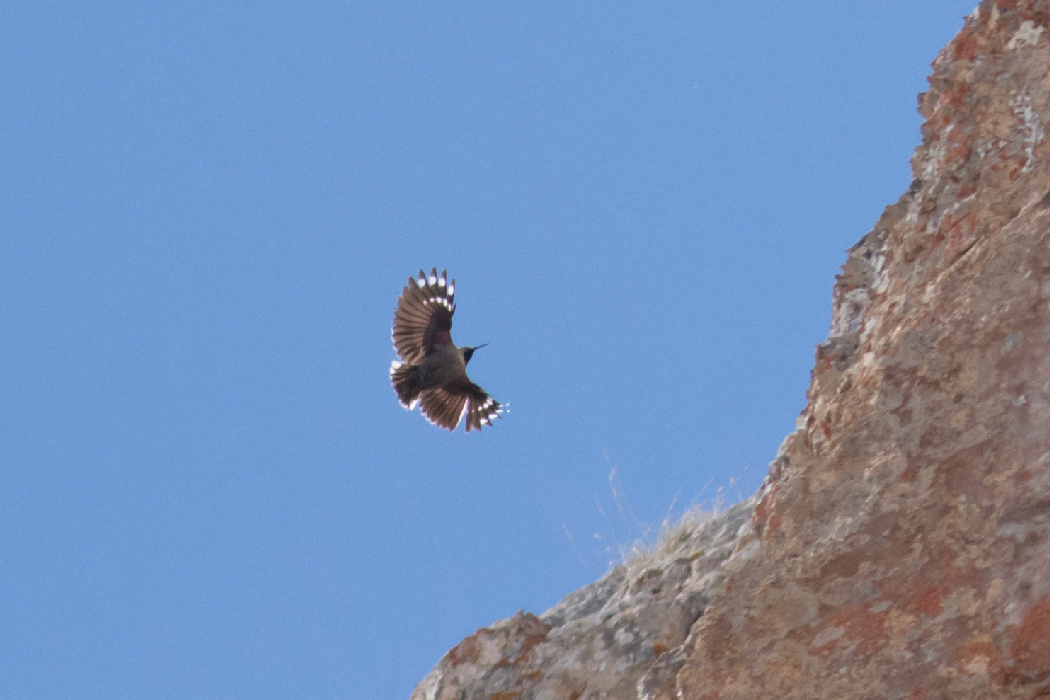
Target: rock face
(904, 527)
(606, 640)
(900, 547)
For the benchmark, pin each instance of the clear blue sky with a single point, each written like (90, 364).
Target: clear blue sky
(207, 212)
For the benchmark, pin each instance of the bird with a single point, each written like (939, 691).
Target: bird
(432, 371)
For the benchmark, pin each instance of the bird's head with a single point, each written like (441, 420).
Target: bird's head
(468, 352)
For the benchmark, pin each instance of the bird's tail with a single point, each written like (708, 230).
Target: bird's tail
(405, 379)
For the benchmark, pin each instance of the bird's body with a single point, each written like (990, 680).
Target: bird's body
(441, 367)
(432, 371)
(445, 364)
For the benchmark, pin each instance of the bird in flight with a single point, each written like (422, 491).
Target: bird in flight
(432, 371)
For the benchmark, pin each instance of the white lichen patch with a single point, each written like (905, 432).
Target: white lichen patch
(1031, 127)
(882, 282)
(927, 293)
(849, 313)
(936, 155)
(978, 665)
(747, 551)
(1027, 34)
(624, 637)
(870, 324)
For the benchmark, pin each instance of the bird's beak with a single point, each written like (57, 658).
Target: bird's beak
(479, 346)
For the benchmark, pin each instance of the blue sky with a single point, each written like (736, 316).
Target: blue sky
(208, 489)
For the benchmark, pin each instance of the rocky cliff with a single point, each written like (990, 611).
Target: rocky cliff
(606, 638)
(900, 547)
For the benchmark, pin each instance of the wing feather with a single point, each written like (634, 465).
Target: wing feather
(423, 318)
(480, 409)
(442, 408)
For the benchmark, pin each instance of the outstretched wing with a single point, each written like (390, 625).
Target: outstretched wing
(446, 406)
(423, 318)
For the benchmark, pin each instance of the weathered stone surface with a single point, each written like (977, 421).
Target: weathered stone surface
(900, 547)
(599, 641)
(903, 549)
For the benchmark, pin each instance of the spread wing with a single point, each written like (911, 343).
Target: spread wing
(446, 406)
(423, 318)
